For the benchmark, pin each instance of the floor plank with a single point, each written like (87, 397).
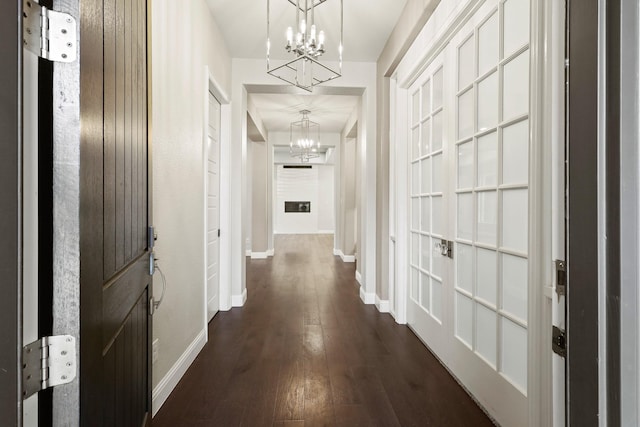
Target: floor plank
(305, 351)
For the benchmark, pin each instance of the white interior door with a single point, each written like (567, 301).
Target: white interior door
(469, 184)
(213, 208)
(429, 274)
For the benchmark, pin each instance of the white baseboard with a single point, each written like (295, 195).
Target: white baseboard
(294, 233)
(348, 258)
(239, 300)
(166, 385)
(247, 252)
(343, 257)
(382, 305)
(259, 255)
(367, 298)
(358, 277)
(270, 252)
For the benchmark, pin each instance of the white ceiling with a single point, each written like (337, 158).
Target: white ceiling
(277, 111)
(367, 26)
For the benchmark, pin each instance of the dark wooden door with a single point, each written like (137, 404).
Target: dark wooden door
(115, 284)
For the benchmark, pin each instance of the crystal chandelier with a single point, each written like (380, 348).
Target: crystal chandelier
(304, 137)
(305, 42)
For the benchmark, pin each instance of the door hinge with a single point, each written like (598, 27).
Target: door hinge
(559, 342)
(561, 278)
(48, 362)
(49, 34)
(445, 247)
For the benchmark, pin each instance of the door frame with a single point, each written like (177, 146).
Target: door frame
(630, 212)
(212, 86)
(601, 83)
(586, 355)
(11, 215)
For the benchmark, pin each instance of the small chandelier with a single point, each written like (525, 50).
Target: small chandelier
(304, 137)
(304, 44)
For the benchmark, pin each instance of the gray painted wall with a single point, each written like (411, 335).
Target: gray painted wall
(259, 197)
(179, 90)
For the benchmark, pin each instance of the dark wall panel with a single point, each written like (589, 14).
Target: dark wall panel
(10, 208)
(582, 221)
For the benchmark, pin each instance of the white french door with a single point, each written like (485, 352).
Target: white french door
(428, 224)
(469, 157)
(213, 208)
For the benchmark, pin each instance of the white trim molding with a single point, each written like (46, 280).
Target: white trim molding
(343, 257)
(239, 300)
(382, 305)
(325, 232)
(358, 277)
(247, 252)
(166, 385)
(271, 252)
(258, 255)
(367, 298)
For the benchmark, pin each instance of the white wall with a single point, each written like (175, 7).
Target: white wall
(326, 208)
(314, 185)
(185, 39)
(347, 236)
(259, 198)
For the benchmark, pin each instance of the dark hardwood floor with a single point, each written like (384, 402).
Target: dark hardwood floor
(305, 351)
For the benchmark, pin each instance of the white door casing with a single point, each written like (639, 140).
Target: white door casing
(213, 208)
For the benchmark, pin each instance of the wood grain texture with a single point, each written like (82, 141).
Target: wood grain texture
(122, 393)
(305, 351)
(116, 326)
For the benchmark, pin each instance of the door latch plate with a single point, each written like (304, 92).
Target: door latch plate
(559, 342)
(445, 248)
(561, 278)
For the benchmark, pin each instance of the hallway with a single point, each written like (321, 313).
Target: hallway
(304, 350)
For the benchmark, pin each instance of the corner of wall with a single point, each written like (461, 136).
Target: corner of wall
(368, 298)
(239, 300)
(382, 305)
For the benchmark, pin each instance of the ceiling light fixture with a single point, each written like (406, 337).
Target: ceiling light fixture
(306, 42)
(304, 137)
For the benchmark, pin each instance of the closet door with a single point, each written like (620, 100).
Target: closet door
(469, 178)
(491, 134)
